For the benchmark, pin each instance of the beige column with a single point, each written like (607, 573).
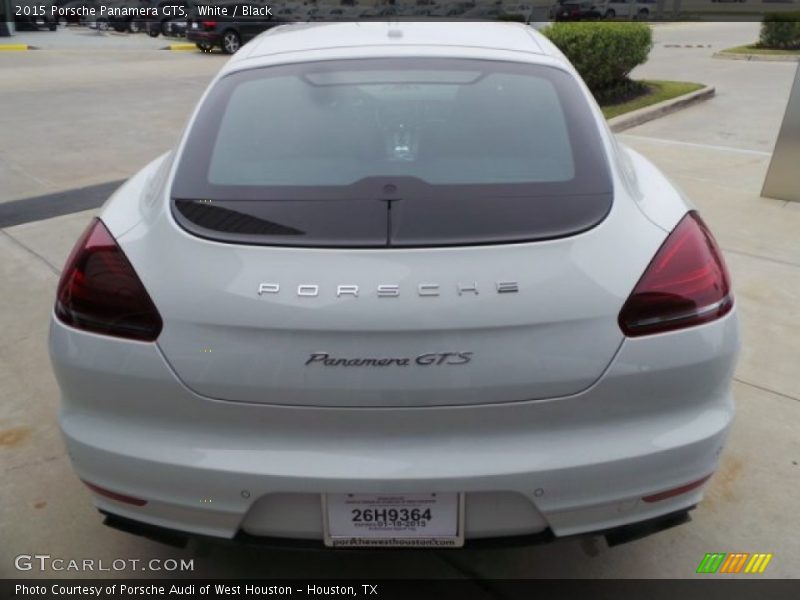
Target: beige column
(783, 177)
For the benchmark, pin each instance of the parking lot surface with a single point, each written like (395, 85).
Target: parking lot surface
(73, 115)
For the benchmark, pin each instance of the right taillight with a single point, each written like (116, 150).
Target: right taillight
(686, 284)
(100, 292)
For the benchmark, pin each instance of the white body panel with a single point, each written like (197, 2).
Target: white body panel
(545, 341)
(558, 421)
(658, 419)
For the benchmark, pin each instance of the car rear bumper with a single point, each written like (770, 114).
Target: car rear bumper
(225, 503)
(657, 420)
(614, 536)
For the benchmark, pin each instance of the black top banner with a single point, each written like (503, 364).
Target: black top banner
(294, 11)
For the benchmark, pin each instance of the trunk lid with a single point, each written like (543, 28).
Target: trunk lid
(392, 327)
(409, 232)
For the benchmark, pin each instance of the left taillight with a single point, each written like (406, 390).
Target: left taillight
(100, 292)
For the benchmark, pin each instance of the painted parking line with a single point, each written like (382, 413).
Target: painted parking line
(695, 145)
(15, 47)
(180, 47)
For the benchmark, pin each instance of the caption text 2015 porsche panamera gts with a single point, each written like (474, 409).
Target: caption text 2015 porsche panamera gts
(397, 285)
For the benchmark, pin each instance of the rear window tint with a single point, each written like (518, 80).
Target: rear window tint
(436, 125)
(393, 151)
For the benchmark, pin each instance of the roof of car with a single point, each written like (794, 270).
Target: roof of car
(362, 35)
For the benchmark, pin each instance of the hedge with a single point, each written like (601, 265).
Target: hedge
(603, 53)
(780, 31)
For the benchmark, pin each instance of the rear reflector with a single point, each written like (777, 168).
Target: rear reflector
(114, 495)
(100, 292)
(676, 491)
(686, 284)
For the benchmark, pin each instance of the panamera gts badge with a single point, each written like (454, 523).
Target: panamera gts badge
(388, 290)
(431, 359)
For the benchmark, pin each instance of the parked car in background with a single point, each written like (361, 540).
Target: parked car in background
(124, 22)
(312, 14)
(641, 9)
(170, 13)
(73, 10)
(288, 13)
(104, 21)
(382, 12)
(92, 18)
(448, 10)
(175, 28)
(337, 13)
(33, 14)
(555, 360)
(522, 10)
(572, 10)
(228, 32)
(482, 12)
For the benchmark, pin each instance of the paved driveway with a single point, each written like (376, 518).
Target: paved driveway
(72, 118)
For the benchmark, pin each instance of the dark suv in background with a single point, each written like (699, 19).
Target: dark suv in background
(231, 31)
(124, 22)
(172, 15)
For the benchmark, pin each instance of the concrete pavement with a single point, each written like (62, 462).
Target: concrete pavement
(749, 103)
(717, 152)
(61, 110)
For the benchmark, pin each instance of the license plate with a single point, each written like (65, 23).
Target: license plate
(386, 520)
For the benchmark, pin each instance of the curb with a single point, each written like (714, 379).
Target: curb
(655, 111)
(180, 47)
(15, 47)
(758, 57)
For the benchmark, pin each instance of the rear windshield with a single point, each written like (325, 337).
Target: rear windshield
(420, 137)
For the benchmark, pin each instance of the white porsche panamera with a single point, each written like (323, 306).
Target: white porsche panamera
(397, 285)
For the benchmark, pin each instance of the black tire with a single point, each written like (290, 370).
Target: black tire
(164, 27)
(102, 24)
(152, 31)
(53, 26)
(231, 42)
(134, 26)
